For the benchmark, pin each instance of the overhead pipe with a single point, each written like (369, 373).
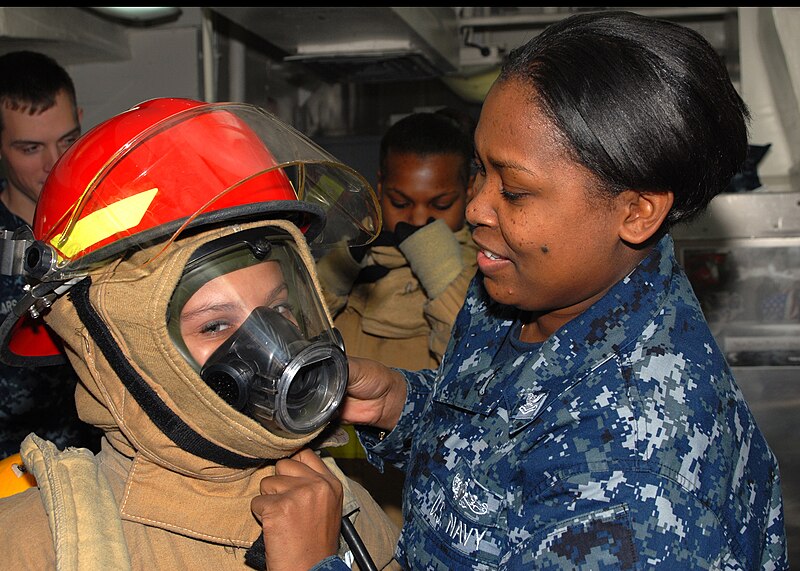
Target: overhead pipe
(209, 68)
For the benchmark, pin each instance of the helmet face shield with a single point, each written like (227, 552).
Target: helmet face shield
(247, 316)
(166, 168)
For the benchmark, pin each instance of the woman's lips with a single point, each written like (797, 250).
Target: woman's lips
(490, 262)
(491, 255)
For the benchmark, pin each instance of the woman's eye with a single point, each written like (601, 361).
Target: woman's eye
(510, 196)
(214, 327)
(397, 204)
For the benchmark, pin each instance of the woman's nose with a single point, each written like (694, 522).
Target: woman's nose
(479, 210)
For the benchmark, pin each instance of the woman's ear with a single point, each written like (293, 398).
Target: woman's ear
(644, 213)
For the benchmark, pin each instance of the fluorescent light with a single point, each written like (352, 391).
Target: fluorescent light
(139, 14)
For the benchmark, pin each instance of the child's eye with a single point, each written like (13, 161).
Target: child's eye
(214, 327)
(287, 311)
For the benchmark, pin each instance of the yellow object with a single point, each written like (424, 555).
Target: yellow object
(473, 87)
(352, 449)
(105, 222)
(14, 477)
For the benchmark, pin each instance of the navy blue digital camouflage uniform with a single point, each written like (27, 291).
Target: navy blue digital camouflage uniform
(622, 442)
(39, 400)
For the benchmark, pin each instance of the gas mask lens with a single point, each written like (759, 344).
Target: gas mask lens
(269, 371)
(247, 316)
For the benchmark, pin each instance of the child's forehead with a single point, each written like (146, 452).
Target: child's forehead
(445, 161)
(423, 174)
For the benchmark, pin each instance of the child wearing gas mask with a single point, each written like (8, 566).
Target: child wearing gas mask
(168, 260)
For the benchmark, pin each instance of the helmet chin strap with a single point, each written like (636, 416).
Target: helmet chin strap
(156, 409)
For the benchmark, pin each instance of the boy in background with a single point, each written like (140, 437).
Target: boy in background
(39, 120)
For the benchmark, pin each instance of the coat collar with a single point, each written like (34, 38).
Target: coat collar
(531, 382)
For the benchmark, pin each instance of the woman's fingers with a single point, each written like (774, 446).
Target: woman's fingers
(300, 510)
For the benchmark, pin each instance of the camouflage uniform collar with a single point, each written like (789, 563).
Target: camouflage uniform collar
(526, 384)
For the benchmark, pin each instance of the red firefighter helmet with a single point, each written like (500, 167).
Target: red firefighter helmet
(166, 165)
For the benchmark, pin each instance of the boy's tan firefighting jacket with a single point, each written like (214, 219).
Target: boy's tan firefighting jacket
(395, 320)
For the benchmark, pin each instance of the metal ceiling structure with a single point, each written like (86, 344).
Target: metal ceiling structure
(354, 44)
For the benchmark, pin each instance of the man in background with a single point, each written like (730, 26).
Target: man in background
(39, 120)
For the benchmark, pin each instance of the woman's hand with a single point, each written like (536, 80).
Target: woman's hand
(376, 394)
(300, 510)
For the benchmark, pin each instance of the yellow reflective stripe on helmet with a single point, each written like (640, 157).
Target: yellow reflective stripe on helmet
(100, 224)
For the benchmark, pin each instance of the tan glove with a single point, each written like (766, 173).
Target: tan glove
(434, 254)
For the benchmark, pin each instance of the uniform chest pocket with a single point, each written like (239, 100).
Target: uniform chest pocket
(462, 516)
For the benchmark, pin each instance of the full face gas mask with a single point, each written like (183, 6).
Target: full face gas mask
(247, 316)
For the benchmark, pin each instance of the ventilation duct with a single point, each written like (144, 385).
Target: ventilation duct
(364, 44)
(70, 35)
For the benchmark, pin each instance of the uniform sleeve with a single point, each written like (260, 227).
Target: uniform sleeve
(26, 541)
(623, 520)
(332, 563)
(395, 446)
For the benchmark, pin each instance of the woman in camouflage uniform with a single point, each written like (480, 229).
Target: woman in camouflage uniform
(583, 416)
